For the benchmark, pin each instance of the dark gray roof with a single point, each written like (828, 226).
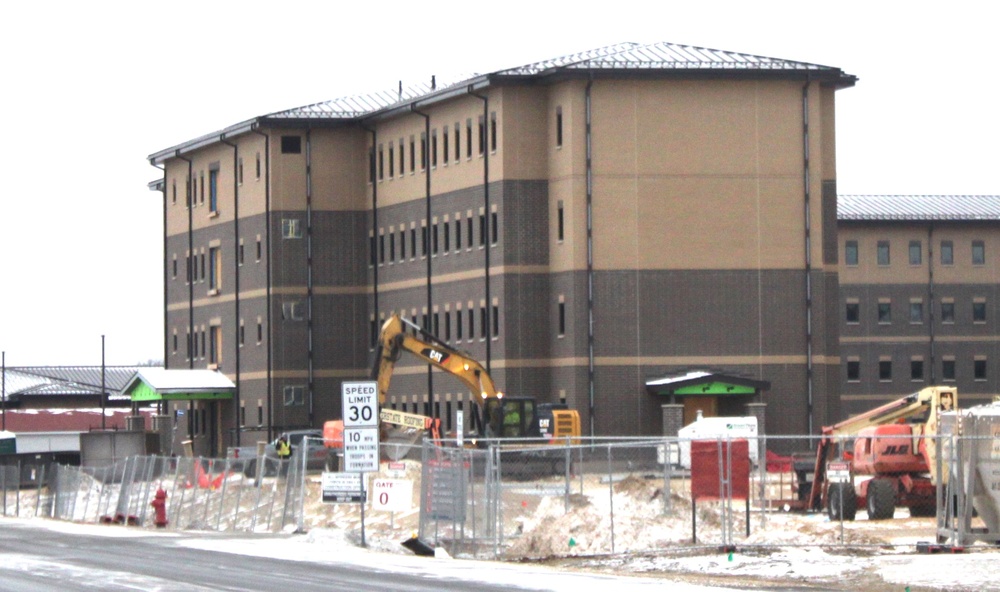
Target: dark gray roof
(629, 58)
(918, 207)
(67, 380)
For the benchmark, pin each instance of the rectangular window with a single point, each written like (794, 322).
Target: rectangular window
(916, 253)
(187, 193)
(203, 274)
(472, 324)
(447, 325)
(381, 249)
(257, 169)
(883, 252)
(434, 148)
(496, 320)
(423, 151)
(239, 171)
(458, 325)
(560, 221)
(291, 144)
(853, 370)
(175, 343)
(482, 229)
(948, 369)
(493, 132)
(291, 228)
(260, 414)
(260, 332)
(458, 143)
(215, 346)
(979, 312)
(852, 313)
(468, 138)
(916, 312)
(371, 164)
(423, 241)
(445, 153)
(884, 313)
(483, 322)
(947, 312)
(916, 370)
(413, 154)
(258, 250)
(213, 190)
(294, 396)
(392, 160)
(458, 234)
(978, 253)
(381, 163)
(174, 274)
(562, 319)
(494, 230)
(446, 227)
(413, 242)
(392, 247)
(243, 334)
(434, 239)
(947, 253)
(215, 268)
(402, 245)
(202, 199)
(437, 324)
(559, 127)
(482, 135)
(885, 370)
(187, 269)
(241, 254)
(979, 369)
(851, 252)
(173, 191)
(402, 158)
(468, 227)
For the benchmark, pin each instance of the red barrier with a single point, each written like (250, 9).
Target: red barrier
(705, 464)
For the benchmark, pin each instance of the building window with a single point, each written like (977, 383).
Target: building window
(853, 370)
(202, 199)
(381, 249)
(243, 333)
(916, 253)
(215, 345)
(241, 253)
(446, 227)
(948, 312)
(468, 227)
(482, 135)
(458, 325)
(381, 163)
(260, 332)
(294, 396)
(291, 228)
(413, 242)
(291, 144)
(187, 193)
(884, 313)
(434, 239)
(447, 325)
(978, 253)
(559, 127)
(291, 311)
(979, 312)
(392, 160)
(174, 274)
(402, 245)
(239, 171)
(203, 274)
(851, 252)
(436, 317)
(175, 343)
(482, 229)
(494, 228)
(916, 312)
(916, 370)
(458, 234)
(413, 154)
(562, 319)
(392, 246)
(483, 322)
(560, 222)
(258, 166)
(258, 250)
(948, 369)
(468, 138)
(445, 153)
(852, 313)
(493, 132)
(434, 148)
(947, 253)
(402, 158)
(496, 320)
(423, 241)
(979, 369)
(472, 324)
(885, 370)
(423, 151)
(213, 190)
(173, 191)
(883, 252)
(215, 268)
(458, 143)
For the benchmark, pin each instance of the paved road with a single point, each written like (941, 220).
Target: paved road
(41, 556)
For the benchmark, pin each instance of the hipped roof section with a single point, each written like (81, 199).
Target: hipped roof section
(636, 60)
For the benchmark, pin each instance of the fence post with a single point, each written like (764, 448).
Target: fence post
(611, 498)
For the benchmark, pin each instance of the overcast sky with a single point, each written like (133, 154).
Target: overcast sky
(90, 89)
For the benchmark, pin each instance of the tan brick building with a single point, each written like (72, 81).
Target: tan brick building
(577, 224)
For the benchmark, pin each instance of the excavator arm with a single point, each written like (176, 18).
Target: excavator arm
(394, 339)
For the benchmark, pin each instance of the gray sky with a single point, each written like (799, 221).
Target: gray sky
(92, 88)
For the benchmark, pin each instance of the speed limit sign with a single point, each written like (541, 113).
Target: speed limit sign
(360, 406)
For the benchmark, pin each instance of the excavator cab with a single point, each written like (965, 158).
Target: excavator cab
(510, 417)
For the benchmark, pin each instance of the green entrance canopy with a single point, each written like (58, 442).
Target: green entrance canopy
(158, 384)
(705, 383)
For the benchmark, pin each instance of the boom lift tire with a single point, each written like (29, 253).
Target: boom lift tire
(842, 502)
(881, 501)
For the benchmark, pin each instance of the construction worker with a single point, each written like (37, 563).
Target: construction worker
(284, 450)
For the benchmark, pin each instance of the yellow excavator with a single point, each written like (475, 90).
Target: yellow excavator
(501, 417)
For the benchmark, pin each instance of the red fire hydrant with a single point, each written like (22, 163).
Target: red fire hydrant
(159, 504)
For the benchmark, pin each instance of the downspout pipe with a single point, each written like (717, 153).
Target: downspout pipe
(430, 246)
(373, 244)
(236, 282)
(930, 302)
(309, 278)
(166, 276)
(191, 265)
(489, 238)
(267, 244)
(590, 251)
(806, 181)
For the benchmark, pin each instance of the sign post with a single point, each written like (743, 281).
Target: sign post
(360, 414)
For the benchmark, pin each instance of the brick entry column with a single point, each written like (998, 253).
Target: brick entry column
(673, 418)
